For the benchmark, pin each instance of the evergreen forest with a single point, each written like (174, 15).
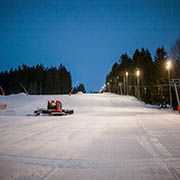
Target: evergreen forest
(144, 76)
(36, 80)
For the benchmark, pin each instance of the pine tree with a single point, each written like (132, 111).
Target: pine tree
(79, 88)
(160, 59)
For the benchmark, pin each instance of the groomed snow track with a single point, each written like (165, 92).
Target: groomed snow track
(107, 137)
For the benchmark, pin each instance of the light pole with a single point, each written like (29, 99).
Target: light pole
(120, 86)
(127, 84)
(168, 67)
(108, 85)
(117, 84)
(138, 74)
(124, 84)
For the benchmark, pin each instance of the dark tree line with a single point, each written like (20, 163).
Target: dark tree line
(79, 88)
(153, 78)
(37, 80)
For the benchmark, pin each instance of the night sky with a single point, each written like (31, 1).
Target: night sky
(87, 36)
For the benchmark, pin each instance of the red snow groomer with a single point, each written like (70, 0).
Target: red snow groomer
(54, 108)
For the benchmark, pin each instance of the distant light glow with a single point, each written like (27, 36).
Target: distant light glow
(137, 73)
(127, 73)
(168, 65)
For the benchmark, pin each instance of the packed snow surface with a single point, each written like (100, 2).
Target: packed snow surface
(108, 137)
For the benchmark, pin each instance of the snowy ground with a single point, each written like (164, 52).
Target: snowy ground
(108, 137)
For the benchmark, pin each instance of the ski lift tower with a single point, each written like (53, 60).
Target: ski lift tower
(176, 84)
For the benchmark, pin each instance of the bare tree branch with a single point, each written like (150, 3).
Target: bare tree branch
(175, 50)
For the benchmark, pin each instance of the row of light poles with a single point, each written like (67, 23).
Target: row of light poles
(168, 67)
(126, 81)
(126, 84)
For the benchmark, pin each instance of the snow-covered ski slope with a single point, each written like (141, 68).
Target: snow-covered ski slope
(108, 137)
(81, 103)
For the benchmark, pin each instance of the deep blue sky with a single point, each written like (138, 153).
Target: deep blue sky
(87, 36)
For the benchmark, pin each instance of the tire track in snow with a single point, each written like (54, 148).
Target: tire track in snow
(85, 164)
(155, 148)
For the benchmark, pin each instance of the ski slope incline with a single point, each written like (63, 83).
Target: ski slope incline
(107, 137)
(81, 103)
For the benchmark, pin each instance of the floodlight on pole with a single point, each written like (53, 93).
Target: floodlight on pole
(127, 84)
(168, 67)
(138, 74)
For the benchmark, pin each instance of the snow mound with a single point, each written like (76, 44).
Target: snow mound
(79, 92)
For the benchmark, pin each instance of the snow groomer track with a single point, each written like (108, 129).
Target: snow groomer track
(107, 137)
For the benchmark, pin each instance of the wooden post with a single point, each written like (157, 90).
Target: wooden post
(3, 94)
(24, 89)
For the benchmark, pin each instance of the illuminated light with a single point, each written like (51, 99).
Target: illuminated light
(126, 73)
(168, 65)
(137, 73)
